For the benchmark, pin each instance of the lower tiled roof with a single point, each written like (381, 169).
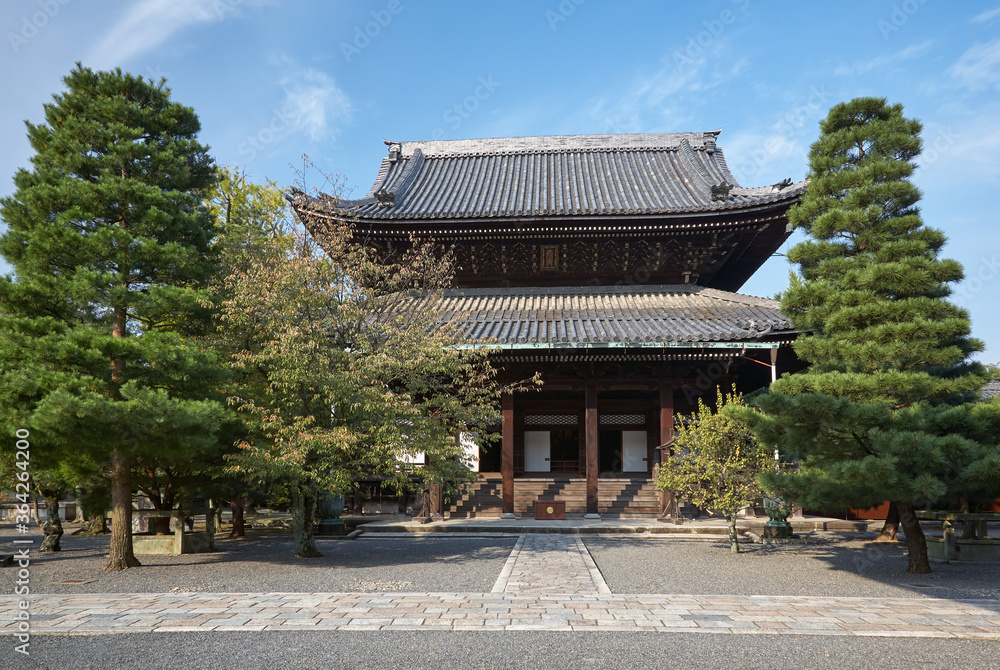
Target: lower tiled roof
(603, 316)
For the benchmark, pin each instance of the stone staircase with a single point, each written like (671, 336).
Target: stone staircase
(623, 498)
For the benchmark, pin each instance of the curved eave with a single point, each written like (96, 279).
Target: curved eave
(495, 225)
(735, 346)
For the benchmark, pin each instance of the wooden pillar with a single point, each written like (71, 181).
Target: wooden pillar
(668, 504)
(507, 456)
(593, 463)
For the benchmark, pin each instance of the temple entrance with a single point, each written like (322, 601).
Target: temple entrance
(537, 451)
(610, 451)
(622, 451)
(565, 445)
(555, 450)
(634, 457)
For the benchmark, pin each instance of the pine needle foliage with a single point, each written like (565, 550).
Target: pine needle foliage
(886, 408)
(112, 253)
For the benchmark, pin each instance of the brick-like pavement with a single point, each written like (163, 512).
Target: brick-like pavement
(549, 583)
(545, 563)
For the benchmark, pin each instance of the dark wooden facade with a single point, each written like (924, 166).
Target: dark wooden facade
(604, 262)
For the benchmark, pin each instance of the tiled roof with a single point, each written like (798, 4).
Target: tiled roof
(603, 316)
(991, 389)
(574, 175)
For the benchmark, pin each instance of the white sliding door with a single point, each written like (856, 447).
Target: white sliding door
(537, 450)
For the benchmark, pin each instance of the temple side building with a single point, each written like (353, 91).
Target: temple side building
(608, 263)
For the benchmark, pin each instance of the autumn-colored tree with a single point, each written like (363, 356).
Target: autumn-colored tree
(340, 366)
(715, 461)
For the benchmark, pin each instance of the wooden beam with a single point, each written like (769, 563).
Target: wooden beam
(507, 455)
(593, 436)
(668, 504)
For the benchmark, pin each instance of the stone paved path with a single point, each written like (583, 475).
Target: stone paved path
(544, 563)
(179, 612)
(550, 582)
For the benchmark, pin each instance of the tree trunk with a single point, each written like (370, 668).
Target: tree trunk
(303, 513)
(53, 525)
(97, 524)
(239, 523)
(916, 544)
(120, 555)
(891, 526)
(968, 527)
(734, 542)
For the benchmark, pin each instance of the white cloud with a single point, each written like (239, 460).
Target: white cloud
(961, 155)
(758, 159)
(986, 17)
(979, 67)
(666, 97)
(316, 103)
(149, 23)
(881, 62)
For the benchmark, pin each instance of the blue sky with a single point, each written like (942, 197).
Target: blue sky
(273, 80)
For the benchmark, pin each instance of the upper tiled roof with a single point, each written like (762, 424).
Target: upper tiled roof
(667, 315)
(574, 175)
(991, 389)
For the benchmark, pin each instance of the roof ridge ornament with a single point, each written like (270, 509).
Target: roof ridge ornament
(395, 149)
(721, 191)
(709, 138)
(755, 330)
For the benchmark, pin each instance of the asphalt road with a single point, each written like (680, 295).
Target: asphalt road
(830, 566)
(495, 651)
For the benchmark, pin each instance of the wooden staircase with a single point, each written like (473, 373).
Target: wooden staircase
(622, 498)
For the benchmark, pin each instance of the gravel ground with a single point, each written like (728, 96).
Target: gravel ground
(496, 651)
(823, 564)
(266, 563)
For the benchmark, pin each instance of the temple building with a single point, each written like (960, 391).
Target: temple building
(608, 263)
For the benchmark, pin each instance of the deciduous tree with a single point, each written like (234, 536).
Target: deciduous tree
(715, 461)
(341, 365)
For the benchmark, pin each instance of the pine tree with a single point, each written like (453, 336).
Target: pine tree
(111, 248)
(884, 410)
